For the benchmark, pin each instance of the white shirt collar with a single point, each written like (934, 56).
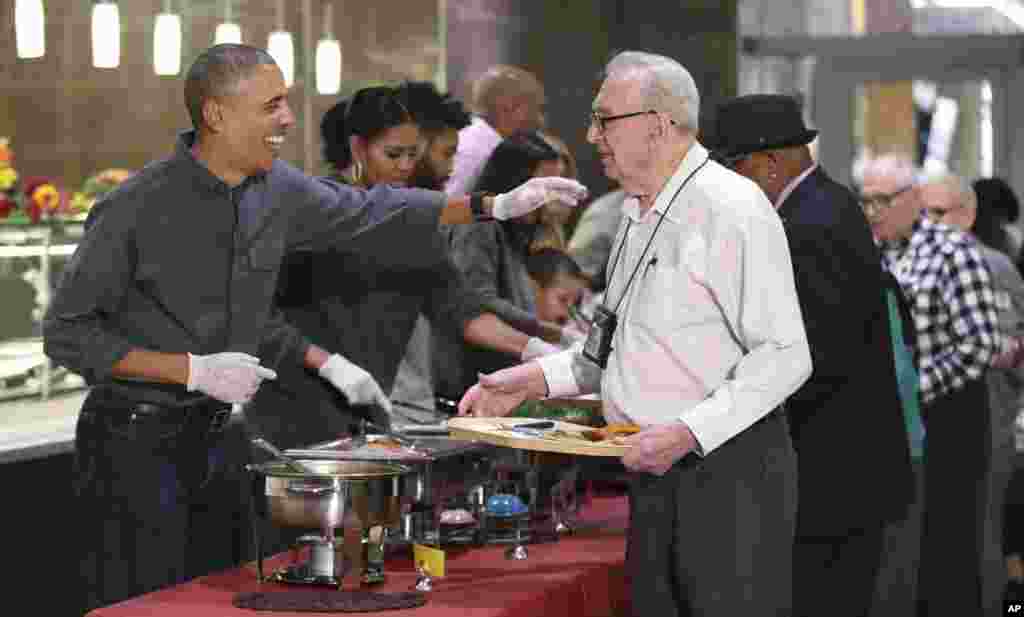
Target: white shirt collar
(795, 182)
(695, 156)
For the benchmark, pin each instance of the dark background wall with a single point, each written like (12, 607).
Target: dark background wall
(567, 44)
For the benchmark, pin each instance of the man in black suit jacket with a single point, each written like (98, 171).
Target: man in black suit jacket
(854, 471)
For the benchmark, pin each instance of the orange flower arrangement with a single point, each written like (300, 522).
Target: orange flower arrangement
(40, 198)
(6, 156)
(97, 186)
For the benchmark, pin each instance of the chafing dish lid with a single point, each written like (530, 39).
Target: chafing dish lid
(333, 469)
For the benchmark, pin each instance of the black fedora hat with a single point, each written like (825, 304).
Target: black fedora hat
(747, 124)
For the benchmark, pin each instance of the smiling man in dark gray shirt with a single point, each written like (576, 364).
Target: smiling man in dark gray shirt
(167, 310)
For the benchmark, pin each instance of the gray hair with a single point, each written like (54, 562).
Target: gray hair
(958, 186)
(216, 72)
(897, 167)
(668, 87)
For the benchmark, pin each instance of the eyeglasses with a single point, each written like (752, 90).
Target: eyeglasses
(875, 204)
(936, 214)
(602, 122)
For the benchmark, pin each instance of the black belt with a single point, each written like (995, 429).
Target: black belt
(205, 417)
(199, 415)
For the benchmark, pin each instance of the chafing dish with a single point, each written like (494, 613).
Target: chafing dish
(443, 472)
(327, 495)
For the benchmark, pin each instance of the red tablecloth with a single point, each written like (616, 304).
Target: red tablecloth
(580, 575)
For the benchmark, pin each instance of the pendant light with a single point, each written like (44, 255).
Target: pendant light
(167, 42)
(228, 31)
(106, 35)
(29, 28)
(280, 46)
(328, 57)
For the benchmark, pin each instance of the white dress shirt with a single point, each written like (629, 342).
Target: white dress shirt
(795, 182)
(710, 330)
(476, 143)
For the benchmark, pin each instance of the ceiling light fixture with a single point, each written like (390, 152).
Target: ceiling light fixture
(29, 28)
(328, 57)
(167, 42)
(228, 31)
(106, 35)
(280, 46)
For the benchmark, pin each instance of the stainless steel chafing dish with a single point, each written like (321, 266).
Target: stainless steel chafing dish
(443, 470)
(324, 495)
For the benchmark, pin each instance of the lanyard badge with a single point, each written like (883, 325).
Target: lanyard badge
(598, 345)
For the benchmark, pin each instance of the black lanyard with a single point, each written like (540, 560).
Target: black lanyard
(650, 240)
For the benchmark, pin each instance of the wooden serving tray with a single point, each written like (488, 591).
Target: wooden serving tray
(494, 431)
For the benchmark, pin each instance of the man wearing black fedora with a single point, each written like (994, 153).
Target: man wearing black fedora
(854, 471)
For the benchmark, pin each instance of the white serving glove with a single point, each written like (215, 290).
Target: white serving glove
(536, 347)
(358, 386)
(534, 193)
(230, 376)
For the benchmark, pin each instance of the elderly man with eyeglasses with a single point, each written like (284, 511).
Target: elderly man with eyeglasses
(699, 342)
(949, 288)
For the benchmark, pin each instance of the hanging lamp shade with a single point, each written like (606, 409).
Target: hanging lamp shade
(280, 46)
(167, 44)
(106, 35)
(328, 57)
(227, 32)
(29, 28)
(328, 66)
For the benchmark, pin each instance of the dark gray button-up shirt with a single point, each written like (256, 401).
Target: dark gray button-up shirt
(165, 266)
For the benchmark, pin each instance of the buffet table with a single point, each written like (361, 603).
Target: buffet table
(579, 575)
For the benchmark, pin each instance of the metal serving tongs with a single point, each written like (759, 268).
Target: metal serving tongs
(238, 414)
(531, 429)
(271, 449)
(376, 418)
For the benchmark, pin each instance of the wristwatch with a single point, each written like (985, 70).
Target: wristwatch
(476, 206)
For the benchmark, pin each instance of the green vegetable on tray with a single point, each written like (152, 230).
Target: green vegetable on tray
(561, 410)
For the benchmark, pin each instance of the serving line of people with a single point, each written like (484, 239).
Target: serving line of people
(365, 303)
(167, 309)
(744, 325)
(716, 309)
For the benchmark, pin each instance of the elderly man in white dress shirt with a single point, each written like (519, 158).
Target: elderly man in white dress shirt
(709, 342)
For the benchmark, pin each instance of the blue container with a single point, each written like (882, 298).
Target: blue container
(504, 504)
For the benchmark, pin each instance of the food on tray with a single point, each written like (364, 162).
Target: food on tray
(610, 432)
(559, 410)
(385, 442)
(606, 433)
